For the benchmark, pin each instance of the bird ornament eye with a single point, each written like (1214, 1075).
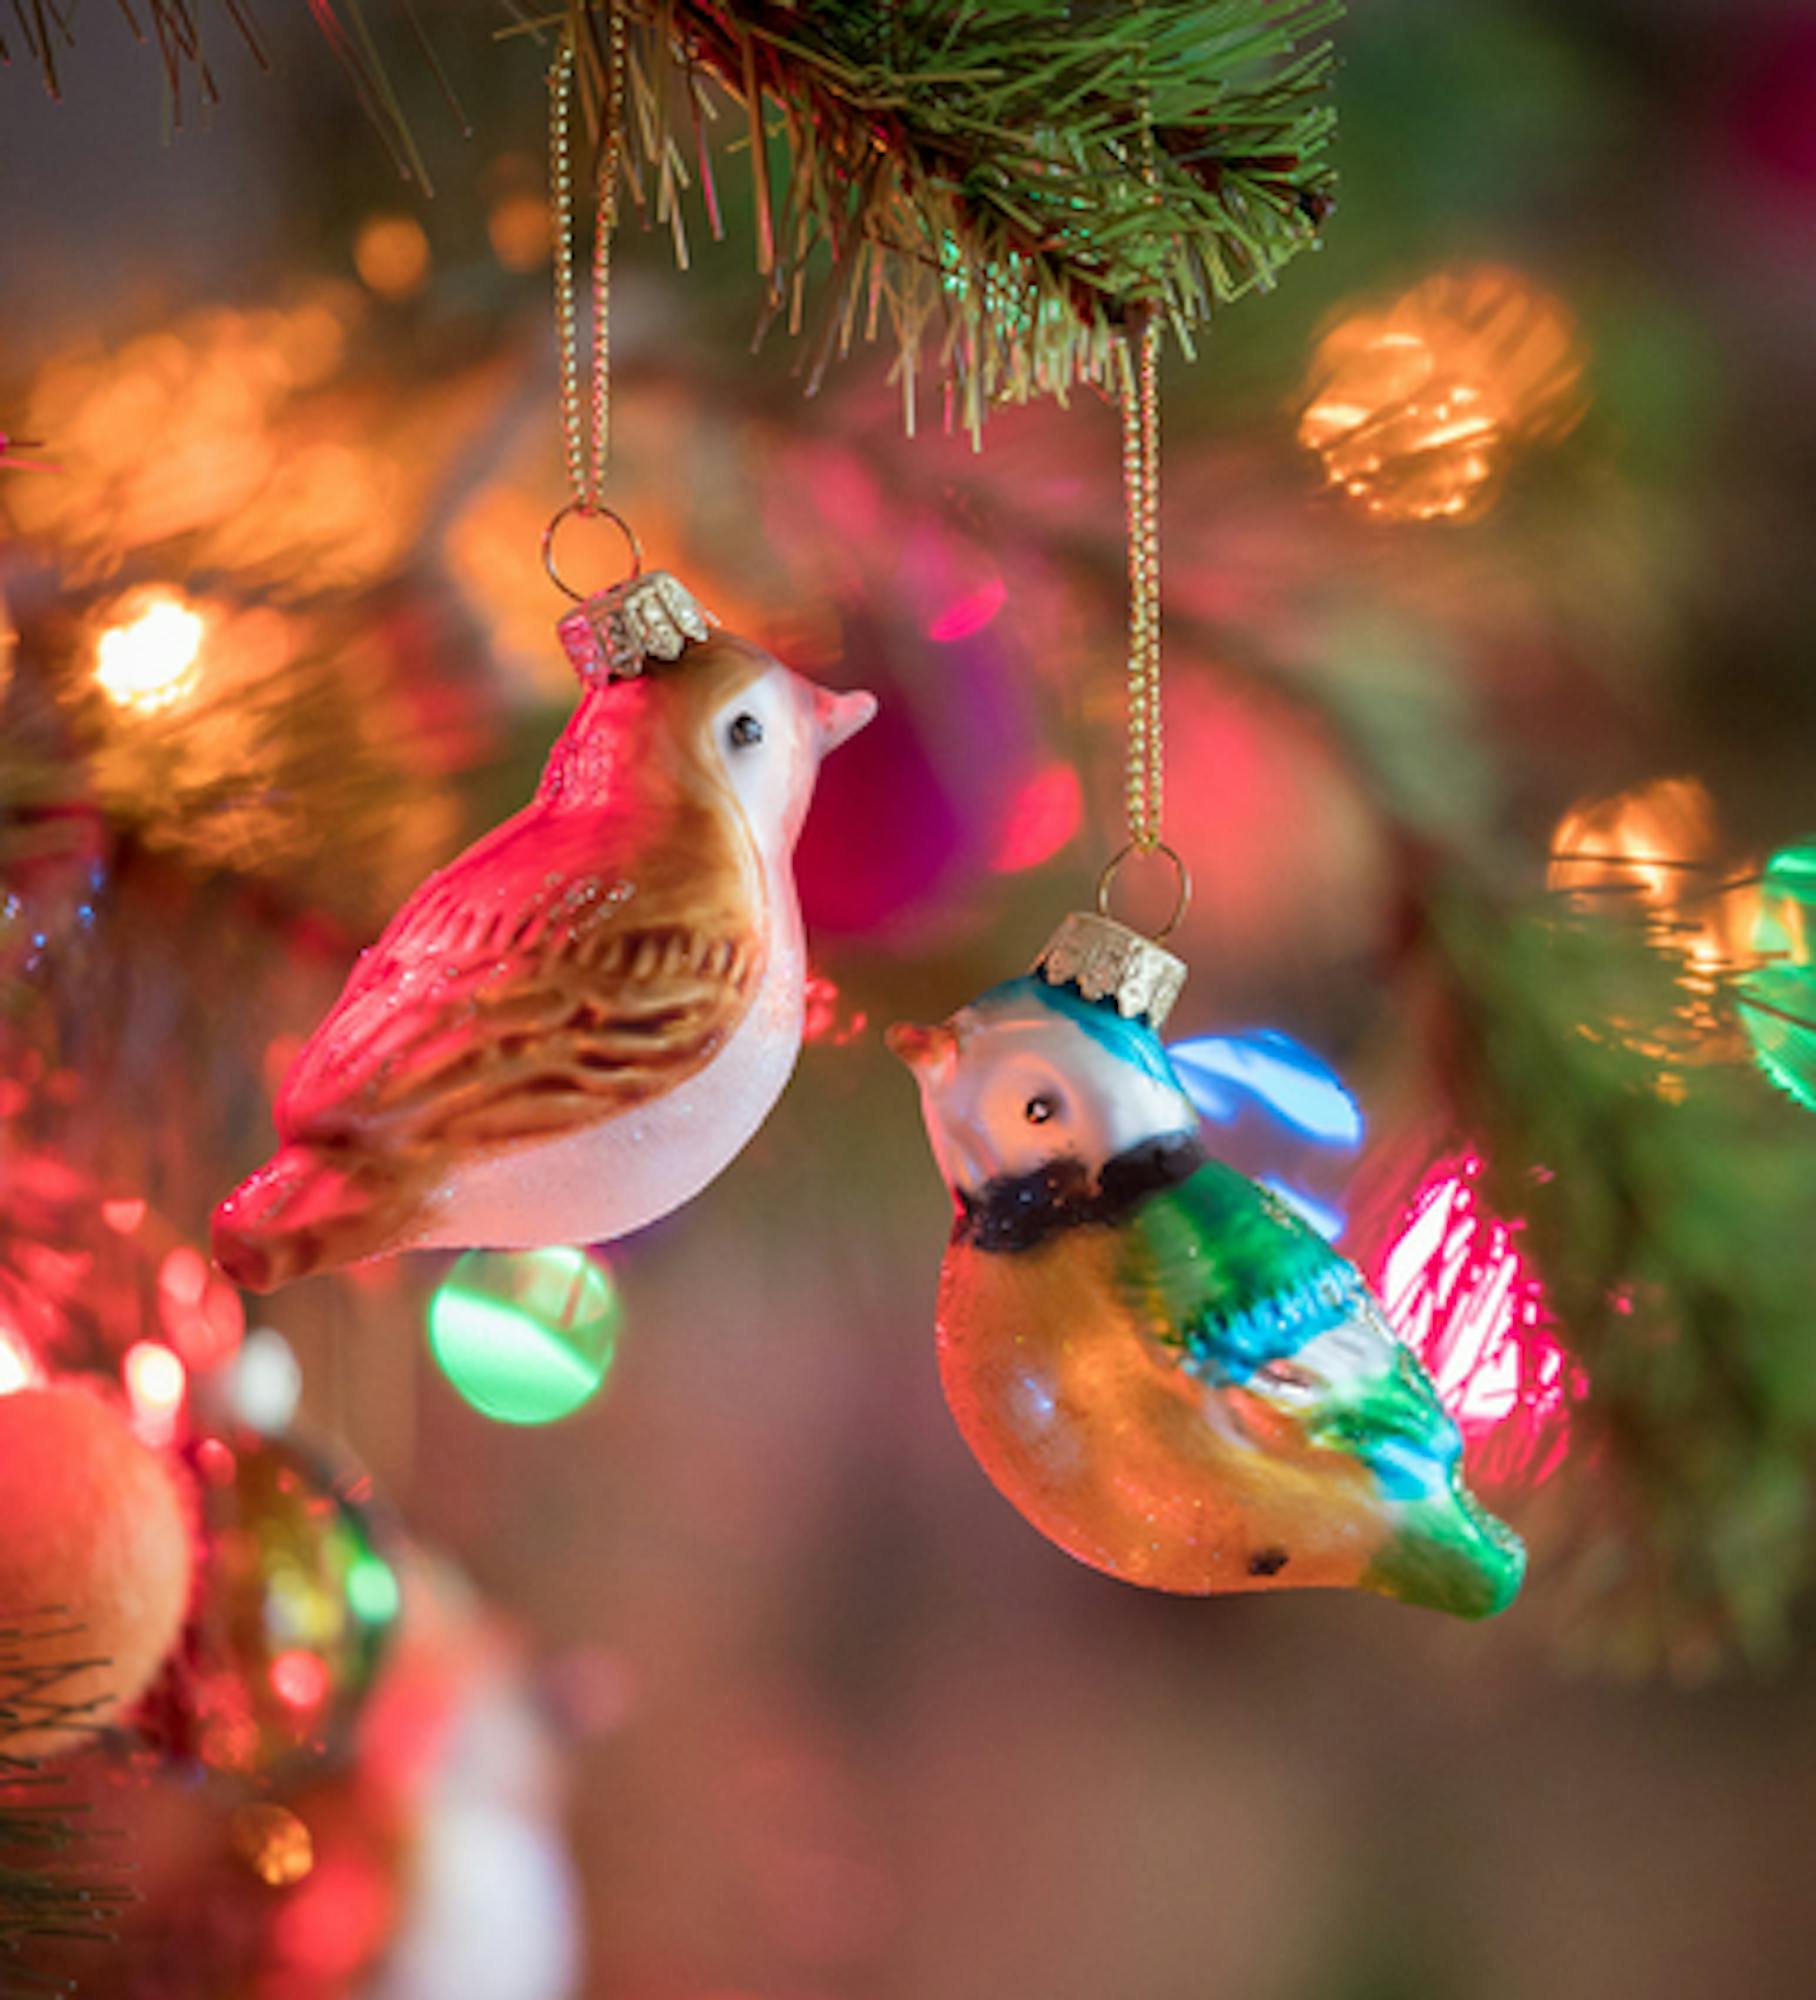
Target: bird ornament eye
(744, 732)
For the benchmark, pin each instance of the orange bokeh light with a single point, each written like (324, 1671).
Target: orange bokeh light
(1415, 409)
(517, 226)
(274, 1843)
(148, 656)
(391, 255)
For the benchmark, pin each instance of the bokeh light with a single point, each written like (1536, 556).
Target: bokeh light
(1652, 856)
(391, 255)
(517, 227)
(18, 1368)
(1460, 1294)
(273, 1842)
(156, 1382)
(526, 1336)
(1415, 410)
(1777, 995)
(147, 656)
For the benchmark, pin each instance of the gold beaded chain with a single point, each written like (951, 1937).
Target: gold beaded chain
(1141, 493)
(587, 444)
(1139, 371)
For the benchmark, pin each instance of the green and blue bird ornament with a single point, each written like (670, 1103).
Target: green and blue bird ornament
(1160, 1365)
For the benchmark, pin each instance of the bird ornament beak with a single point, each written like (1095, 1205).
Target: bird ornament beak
(839, 717)
(929, 1052)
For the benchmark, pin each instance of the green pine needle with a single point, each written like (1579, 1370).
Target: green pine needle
(999, 185)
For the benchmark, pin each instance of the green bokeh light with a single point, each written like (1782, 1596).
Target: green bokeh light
(1778, 997)
(526, 1336)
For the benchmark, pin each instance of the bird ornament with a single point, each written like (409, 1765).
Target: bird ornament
(576, 1025)
(1159, 1364)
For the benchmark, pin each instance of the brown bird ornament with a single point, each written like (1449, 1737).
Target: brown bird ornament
(576, 1025)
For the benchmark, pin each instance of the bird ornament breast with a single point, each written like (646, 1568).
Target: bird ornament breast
(1164, 1369)
(579, 1022)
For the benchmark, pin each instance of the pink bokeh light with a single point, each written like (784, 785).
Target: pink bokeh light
(1461, 1295)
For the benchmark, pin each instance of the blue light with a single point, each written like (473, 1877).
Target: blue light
(1298, 1088)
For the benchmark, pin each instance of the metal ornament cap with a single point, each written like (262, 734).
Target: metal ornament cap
(1106, 960)
(611, 636)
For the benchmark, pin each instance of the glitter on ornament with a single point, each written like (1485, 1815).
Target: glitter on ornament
(1459, 1293)
(1415, 410)
(526, 1336)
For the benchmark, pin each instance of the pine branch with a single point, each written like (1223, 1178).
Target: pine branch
(974, 177)
(46, 1893)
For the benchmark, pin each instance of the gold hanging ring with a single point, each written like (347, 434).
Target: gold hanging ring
(1181, 876)
(590, 509)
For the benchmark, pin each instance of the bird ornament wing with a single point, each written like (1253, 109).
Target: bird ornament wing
(1301, 1367)
(532, 987)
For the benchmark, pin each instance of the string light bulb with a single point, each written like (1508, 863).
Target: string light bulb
(1415, 410)
(149, 656)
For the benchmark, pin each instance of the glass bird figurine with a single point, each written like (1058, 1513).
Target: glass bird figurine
(1167, 1371)
(576, 1025)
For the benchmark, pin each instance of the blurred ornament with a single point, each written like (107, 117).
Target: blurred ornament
(1281, 1111)
(526, 1336)
(1159, 1364)
(296, 1602)
(92, 1526)
(570, 1030)
(1415, 410)
(1776, 995)
(1462, 1297)
(273, 1842)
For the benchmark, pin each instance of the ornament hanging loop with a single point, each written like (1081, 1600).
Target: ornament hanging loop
(590, 510)
(1182, 882)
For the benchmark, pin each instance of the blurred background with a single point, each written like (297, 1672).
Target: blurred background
(1495, 515)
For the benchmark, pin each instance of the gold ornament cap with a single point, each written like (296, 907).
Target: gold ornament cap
(1106, 960)
(612, 636)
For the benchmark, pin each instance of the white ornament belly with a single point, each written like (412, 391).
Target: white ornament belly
(633, 1169)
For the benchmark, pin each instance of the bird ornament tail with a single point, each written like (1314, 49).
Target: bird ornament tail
(1168, 1372)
